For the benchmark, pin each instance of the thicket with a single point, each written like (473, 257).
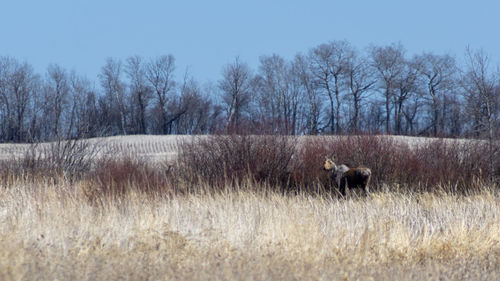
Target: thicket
(290, 165)
(275, 163)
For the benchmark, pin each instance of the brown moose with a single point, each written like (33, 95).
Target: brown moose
(346, 177)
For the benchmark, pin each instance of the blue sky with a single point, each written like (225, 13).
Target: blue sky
(205, 35)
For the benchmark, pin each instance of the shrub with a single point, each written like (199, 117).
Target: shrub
(444, 164)
(432, 164)
(307, 165)
(222, 160)
(274, 162)
(459, 165)
(63, 159)
(114, 177)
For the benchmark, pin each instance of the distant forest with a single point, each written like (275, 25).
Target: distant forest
(333, 88)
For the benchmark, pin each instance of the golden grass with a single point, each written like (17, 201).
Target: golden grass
(51, 232)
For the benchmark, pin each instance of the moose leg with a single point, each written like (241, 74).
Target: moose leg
(342, 187)
(367, 187)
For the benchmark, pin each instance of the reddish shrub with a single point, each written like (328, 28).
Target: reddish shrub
(446, 164)
(433, 164)
(217, 162)
(379, 154)
(231, 159)
(307, 164)
(452, 164)
(115, 177)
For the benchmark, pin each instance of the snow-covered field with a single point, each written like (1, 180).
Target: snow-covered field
(159, 147)
(143, 146)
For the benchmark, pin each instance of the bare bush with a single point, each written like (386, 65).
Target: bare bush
(114, 177)
(430, 165)
(443, 164)
(216, 162)
(234, 158)
(307, 166)
(63, 159)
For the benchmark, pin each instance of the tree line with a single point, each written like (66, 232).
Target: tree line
(333, 88)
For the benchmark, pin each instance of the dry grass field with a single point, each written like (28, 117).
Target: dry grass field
(50, 230)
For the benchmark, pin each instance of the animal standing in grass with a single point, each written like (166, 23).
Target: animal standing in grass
(348, 177)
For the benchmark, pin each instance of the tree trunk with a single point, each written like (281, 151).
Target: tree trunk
(337, 112)
(388, 112)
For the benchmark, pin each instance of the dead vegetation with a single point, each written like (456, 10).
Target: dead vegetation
(430, 165)
(432, 213)
(52, 232)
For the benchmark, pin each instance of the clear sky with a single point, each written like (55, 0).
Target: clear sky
(204, 35)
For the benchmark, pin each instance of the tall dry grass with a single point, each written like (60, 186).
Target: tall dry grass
(220, 213)
(51, 231)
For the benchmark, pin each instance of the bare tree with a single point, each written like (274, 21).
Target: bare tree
(21, 86)
(160, 76)
(330, 89)
(375, 116)
(307, 86)
(56, 94)
(404, 88)
(88, 120)
(297, 98)
(114, 88)
(6, 106)
(437, 78)
(411, 112)
(358, 81)
(271, 90)
(197, 108)
(279, 95)
(389, 63)
(482, 94)
(328, 63)
(140, 93)
(236, 87)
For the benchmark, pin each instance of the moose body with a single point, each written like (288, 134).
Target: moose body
(346, 177)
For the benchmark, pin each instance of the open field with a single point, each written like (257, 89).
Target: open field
(126, 221)
(161, 147)
(146, 146)
(51, 232)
